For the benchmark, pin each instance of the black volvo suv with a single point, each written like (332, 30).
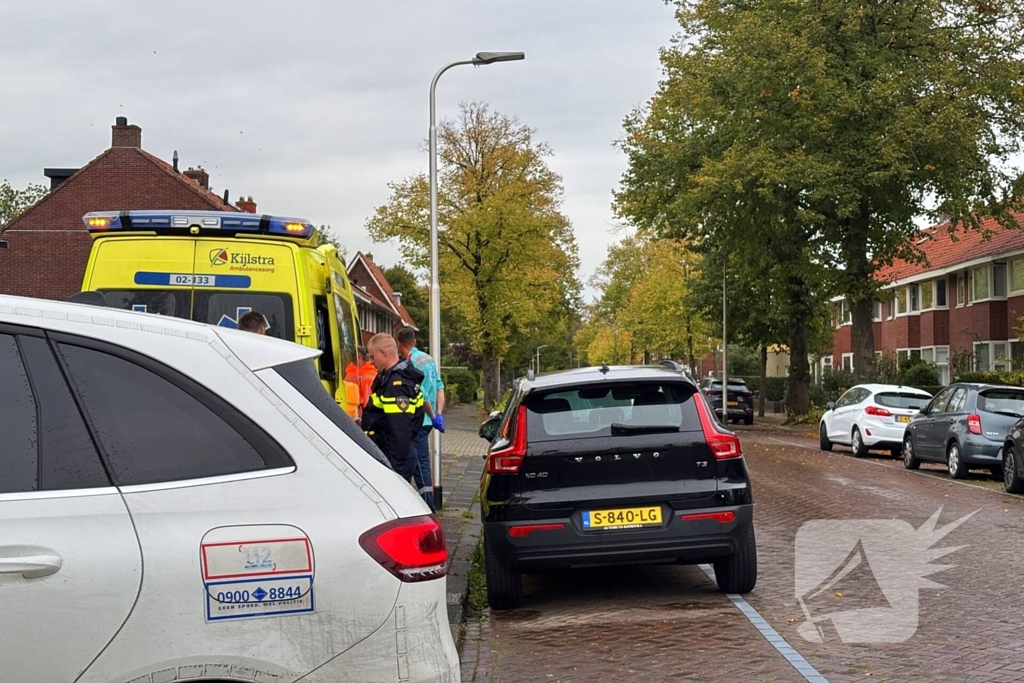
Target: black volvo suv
(612, 465)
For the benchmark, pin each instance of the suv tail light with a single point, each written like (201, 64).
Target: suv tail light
(974, 424)
(411, 548)
(722, 445)
(508, 460)
(878, 412)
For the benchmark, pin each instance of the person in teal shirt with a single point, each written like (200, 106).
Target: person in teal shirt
(433, 394)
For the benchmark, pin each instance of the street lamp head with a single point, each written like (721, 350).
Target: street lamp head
(492, 57)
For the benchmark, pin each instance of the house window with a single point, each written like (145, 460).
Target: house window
(890, 307)
(845, 313)
(981, 290)
(940, 293)
(1000, 361)
(1017, 275)
(928, 355)
(942, 363)
(1016, 355)
(915, 297)
(901, 301)
(961, 288)
(876, 311)
(826, 363)
(982, 362)
(927, 295)
(902, 355)
(848, 362)
(999, 279)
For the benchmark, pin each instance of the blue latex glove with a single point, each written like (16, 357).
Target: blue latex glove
(438, 422)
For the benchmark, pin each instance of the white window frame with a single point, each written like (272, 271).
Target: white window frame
(844, 359)
(935, 293)
(906, 308)
(914, 297)
(961, 290)
(1009, 286)
(876, 311)
(826, 363)
(974, 349)
(999, 362)
(988, 281)
(992, 280)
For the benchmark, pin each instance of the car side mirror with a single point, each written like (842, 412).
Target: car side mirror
(489, 429)
(831, 405)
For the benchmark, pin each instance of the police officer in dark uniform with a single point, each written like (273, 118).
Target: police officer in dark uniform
(394, 413)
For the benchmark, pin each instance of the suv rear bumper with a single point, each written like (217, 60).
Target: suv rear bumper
(686, 541)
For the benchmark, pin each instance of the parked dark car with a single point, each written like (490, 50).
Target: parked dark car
(611, 466)
(1013, 459)
(740, 400)
(964, 426)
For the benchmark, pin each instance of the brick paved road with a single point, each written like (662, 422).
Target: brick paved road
(669, 623)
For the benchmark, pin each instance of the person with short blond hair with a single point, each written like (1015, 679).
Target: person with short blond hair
(394, 413)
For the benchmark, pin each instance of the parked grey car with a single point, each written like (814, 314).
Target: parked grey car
(965, 427)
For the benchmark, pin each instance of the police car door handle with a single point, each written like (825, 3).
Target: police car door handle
(32, 563)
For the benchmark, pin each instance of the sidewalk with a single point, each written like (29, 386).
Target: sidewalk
(461, 465)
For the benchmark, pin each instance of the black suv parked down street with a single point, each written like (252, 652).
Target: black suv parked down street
(740, 401)
(612, 465)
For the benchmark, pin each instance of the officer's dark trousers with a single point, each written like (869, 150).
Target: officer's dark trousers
(421, 473)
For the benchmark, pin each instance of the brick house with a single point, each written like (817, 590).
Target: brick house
(960, 306)
(379, 307)
(47, 247)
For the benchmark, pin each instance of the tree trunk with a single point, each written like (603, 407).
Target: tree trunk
(798, 385)
(764, 381)
(860, 293)
(492, 383)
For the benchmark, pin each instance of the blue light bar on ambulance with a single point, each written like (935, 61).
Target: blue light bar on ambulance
(197, 222)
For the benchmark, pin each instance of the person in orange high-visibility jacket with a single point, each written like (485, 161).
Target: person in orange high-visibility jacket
(362, 374)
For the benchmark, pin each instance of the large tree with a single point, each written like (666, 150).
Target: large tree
(14, 202)
(508, 256)
(855, 118)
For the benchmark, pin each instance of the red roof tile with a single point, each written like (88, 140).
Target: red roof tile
(943, 249)
(382, 281)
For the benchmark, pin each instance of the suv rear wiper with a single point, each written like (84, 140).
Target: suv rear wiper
(618, 428)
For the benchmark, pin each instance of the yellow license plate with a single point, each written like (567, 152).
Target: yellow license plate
(734, 403)
(626, 518)
(903, 418)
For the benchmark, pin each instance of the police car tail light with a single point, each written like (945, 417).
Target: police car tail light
(412, 548)
(509, 460)
(723, 445)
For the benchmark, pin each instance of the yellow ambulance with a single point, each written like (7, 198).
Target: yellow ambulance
(214, 266)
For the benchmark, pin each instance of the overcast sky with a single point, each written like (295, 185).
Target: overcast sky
(313, 107)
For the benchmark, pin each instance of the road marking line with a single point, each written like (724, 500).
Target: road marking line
(898, 468)
(773, 637)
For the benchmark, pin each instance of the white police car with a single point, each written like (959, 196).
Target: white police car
(182, 502)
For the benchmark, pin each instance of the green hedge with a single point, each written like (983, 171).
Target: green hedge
(775, 387)
(465, 382)
(1015, 379)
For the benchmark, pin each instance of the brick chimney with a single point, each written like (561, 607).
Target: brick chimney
(246, 205)
(200, 176)
(124, 135)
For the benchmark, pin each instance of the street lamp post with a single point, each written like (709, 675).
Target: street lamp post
(480, 59)
(538, 355)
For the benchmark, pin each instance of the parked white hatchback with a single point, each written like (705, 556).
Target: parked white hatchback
(183, 502)
(871, 417)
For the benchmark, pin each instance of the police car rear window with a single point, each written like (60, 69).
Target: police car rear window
(305, 379)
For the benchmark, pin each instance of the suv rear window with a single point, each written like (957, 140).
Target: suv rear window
(609, 410)
(1002, 401)
(902, 399)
